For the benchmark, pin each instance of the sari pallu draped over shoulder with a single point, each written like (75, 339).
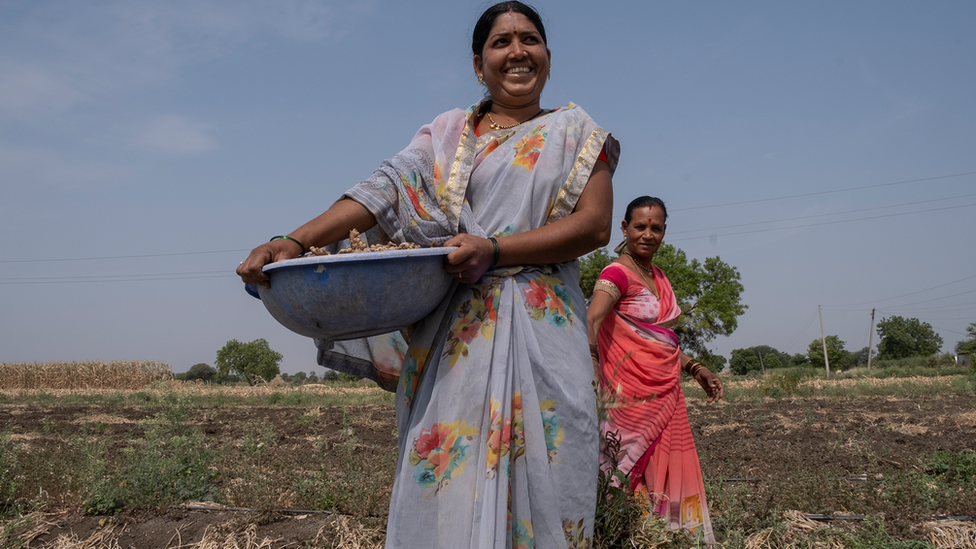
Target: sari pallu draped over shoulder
(496, 413)
(641, 379)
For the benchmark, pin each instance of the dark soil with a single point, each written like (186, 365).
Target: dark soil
(817, 455)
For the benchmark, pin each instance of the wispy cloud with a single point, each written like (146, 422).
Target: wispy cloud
(176, 134)
(55, 55)
(27, 89)
(30, 168)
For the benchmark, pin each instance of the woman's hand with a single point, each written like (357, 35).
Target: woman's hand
(331, 226)
(711, 383)
(471, 259)
(277, 250)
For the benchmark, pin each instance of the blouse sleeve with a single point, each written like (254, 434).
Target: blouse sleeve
(612, 281)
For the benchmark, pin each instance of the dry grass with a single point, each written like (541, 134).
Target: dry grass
(951, 534)
(815, 383)
(52, 382)
(798, 528)
(356, 536)
(73, 376)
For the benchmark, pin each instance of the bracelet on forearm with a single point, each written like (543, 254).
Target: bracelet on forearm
(300, 245)
(494, 260)
(693, 367)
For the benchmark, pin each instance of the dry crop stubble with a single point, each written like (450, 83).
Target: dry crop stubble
(70, 376)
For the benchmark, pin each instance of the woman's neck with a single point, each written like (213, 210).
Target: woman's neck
(515, 113)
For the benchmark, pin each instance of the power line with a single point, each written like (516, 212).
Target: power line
(825, 192)
(119, 256)
(824, 223)
(135, 256)
(106, 277)
(930, 300)
(803, 331)
(826, 214)
(912, 293)
(118, 278)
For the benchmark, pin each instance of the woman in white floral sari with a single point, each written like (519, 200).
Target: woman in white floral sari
(496, 410)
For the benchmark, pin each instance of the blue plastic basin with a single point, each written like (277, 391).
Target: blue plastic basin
(348, 296)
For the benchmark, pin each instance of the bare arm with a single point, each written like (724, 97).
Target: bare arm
(709, 381)
(577, 234)
(599, 307)
(331, 226)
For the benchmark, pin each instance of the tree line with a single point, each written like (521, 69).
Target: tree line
(899, 338)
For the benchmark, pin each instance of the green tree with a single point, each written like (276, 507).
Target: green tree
(902, 338)
(772, 361)
(715, 363)
(861, 357)
(201, 371)
(968, 346)
(590, 267)
(744, 361)
(754, 358)
(709, 295)
(799, 359)
(838, 356)
(249, 360)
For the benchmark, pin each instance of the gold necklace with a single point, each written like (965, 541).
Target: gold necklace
(649, 270)
(495, 126)
(651, 287)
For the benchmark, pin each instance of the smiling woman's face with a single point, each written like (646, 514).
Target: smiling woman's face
(514, 61)
(645, 232)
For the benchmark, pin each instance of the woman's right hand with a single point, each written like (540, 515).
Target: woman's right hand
(277, 250)
(711, 383)
(471, 259)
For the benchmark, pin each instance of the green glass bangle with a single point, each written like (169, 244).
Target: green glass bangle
(300, 245)
(494, 260)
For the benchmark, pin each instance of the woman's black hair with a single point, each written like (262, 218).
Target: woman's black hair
(642, 202)
(483, 27)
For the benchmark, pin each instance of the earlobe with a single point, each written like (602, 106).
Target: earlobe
(476, 64)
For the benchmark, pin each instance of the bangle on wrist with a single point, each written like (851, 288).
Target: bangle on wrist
(285, 237)
(494, 259)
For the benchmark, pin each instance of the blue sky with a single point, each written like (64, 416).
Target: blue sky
(825, 149)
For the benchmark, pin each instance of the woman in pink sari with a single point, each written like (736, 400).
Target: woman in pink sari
(639, 364)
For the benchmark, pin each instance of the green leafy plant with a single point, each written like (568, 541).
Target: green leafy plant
(8, 475)
(624, 520)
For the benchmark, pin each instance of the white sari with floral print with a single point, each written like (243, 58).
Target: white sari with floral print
(495, 405)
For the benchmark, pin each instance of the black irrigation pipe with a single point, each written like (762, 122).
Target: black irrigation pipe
(862, 478)
(250, 510)
(204, 508)
(824, 518)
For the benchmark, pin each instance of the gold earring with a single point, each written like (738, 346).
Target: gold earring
(481, 79)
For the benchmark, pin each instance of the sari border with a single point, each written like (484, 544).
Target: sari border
(579, 176)
(455, 188)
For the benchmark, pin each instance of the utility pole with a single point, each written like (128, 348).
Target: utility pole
(823, 339)
(870, 339)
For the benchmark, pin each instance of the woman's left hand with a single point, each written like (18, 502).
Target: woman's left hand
(471, 259)
(711, 383)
